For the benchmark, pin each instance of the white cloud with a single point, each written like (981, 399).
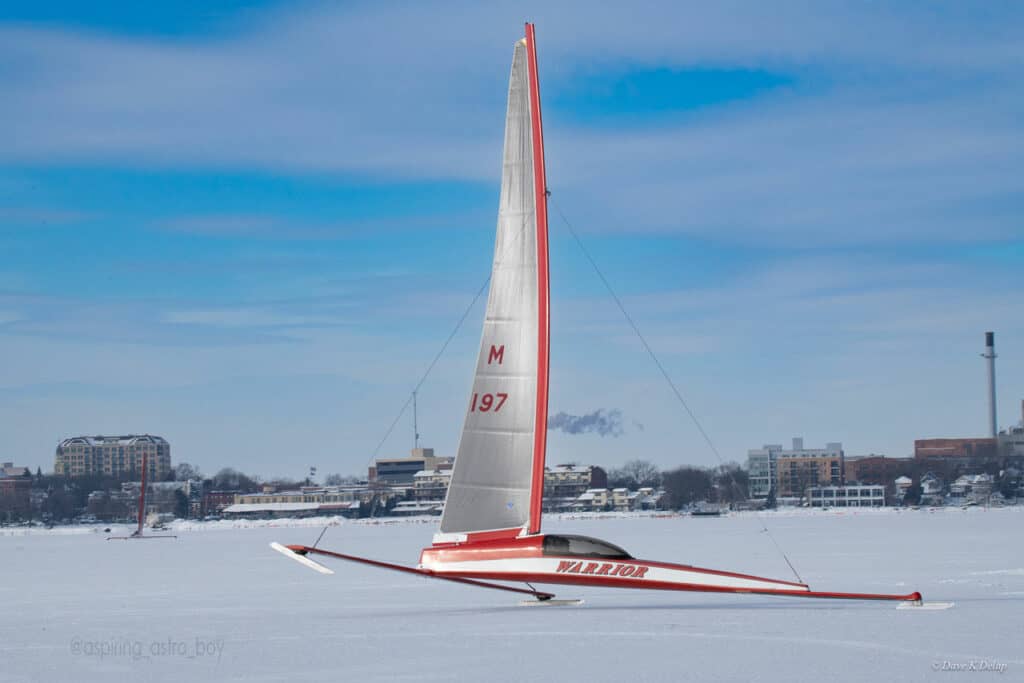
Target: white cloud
(920, 106)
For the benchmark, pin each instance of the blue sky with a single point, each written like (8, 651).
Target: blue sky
(250, 228)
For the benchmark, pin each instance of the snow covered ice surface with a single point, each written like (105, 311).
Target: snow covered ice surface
(219, 604)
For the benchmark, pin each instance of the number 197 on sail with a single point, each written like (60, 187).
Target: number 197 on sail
(484, 402)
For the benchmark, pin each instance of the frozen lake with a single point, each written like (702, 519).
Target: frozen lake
(218, 604)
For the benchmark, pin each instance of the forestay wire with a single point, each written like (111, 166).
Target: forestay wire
(440, 352)
(664, 373)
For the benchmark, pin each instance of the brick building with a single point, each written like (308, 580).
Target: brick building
(15, 491)
(797, 473)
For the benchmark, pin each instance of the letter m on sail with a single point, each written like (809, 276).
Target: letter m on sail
(497, 353)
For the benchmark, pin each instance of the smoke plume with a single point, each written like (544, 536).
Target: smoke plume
(602, 422)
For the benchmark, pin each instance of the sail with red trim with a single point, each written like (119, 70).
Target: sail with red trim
(497, 480)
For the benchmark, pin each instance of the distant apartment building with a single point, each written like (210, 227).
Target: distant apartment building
(113, 456)
(431, 484)
(788, 472)
(564, 484)
(403, 470)
(762, 466)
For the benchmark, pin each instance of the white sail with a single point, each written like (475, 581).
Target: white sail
(491, 481)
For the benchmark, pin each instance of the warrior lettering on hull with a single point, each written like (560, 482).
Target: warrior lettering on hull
(607, 569)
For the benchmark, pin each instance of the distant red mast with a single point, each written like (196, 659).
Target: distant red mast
(142, 493)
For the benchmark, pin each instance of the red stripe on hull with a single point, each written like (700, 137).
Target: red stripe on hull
(602, 582)
(715, 572)
(540, 428)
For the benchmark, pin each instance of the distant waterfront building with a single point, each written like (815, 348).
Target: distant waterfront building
(309, 500)
(969, 449)
(113, 456)
(901, 486)
(846, 496)
(214, 502)
(15, 491)
(877, 469)
(593, 500)
(762, 466)
(788, 472)
(432, 485)
(564, 484)
(796, 473)
(403, 470)
(931, 489)
(971, 488)
(1011, 441)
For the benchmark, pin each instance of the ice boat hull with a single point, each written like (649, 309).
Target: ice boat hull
(550, 559)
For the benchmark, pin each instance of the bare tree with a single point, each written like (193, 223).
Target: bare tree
(186, 472)
(229, 479)
(635, 474)
(340, 480)
(685, 485)
(730, 482)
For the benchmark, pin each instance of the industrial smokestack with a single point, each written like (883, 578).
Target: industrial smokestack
(990, 356)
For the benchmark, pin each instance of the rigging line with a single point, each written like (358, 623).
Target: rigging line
(317, 542)
(430, 367)
(664, 372)
(455, 330)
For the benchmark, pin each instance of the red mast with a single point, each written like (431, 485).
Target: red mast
(540, 438)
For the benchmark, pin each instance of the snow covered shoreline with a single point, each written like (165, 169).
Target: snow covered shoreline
(180, 525)
(80, 608)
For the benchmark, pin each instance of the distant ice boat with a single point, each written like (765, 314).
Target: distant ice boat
(139, 533)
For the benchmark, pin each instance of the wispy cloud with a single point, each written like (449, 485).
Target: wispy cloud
(887, 144)
(282, 227)
(247, 317)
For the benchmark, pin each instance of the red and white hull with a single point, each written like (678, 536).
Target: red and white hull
(612, 574)
(531, 560)
(534, 559)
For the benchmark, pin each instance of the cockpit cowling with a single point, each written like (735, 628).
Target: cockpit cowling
(582, 546)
